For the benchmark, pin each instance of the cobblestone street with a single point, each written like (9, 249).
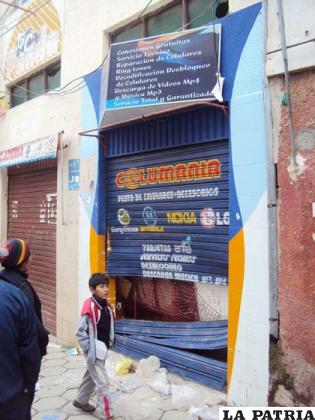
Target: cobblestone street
(61, 374)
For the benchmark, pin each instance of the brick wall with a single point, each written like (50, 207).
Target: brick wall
(297, 238)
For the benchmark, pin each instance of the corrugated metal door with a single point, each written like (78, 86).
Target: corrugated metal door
(168, 213)
(32, 215)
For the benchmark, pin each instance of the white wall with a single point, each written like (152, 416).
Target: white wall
(300, 34)
(235, 5)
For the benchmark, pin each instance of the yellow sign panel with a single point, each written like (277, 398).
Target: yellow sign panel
(35, 40)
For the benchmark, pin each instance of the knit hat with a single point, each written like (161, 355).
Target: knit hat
(3, 252)
(18, 253)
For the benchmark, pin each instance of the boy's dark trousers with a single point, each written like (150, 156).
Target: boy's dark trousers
(18, 407)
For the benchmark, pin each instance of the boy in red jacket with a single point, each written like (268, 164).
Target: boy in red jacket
(95, 335)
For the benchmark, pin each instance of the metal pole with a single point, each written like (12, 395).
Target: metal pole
(286, 78)
(272, 197)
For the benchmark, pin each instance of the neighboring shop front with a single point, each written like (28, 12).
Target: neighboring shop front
(173, 208)
(32, 214)
(31, 67)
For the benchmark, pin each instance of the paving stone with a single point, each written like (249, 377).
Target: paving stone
(192, 394)
(51, 391)
(54, 362)
(70, 394)
(51, 371)
(51, 403)
(148, 413)
(74, 364)
(55, 355)
(137, 407)
(70, 409)
(75, 358)
(82, 417)
(165, 404)
(207, 396)
(51, 380)
(175, 415)
(50, 414)
(73, 377)
(53, 347)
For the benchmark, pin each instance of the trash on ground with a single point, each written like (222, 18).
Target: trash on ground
(147, 367)
(203, 413)
(159, 383)
(148, 373)
(114, 395)
(123, 366)
(73, 351)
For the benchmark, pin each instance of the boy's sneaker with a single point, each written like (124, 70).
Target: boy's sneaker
(88, 408)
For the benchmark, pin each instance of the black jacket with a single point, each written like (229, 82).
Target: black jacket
(19, 350)
(18, 278)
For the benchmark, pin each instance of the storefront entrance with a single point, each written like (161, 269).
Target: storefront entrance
(167, 217)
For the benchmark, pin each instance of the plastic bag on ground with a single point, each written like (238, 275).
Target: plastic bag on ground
(159, 383)
(123, 366)
(73, 351)
(147, 367)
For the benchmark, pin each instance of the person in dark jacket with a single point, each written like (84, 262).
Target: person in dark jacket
(16, 267)
(19, 354)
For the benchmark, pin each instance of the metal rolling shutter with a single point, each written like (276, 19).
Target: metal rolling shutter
(166, 216)
(32, 215)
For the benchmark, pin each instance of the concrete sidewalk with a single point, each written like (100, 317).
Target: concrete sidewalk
(135, 398)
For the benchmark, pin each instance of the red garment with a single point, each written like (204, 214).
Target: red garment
(93, 310)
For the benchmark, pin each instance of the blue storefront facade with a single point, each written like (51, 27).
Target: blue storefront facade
(182, 194)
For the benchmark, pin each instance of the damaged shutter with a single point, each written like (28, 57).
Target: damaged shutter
(168, 213)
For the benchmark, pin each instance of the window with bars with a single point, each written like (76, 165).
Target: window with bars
(179, 15)
(35, 85)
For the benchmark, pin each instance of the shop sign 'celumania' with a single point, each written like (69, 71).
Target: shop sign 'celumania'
(133, 178)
